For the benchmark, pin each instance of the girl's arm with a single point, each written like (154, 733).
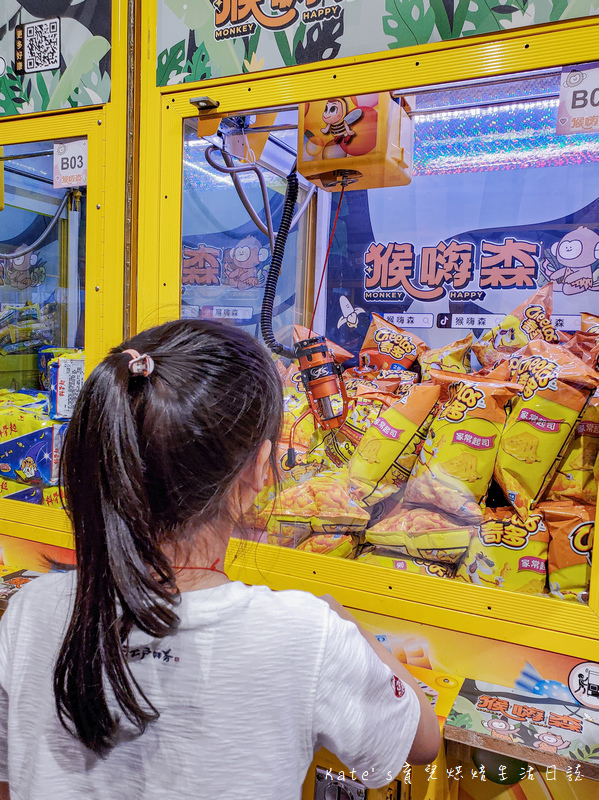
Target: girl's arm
(4, 791)
(428, 736)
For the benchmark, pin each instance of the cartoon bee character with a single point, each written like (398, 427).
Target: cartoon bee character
(337, 120)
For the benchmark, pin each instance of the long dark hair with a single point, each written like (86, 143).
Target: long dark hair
(145, 462)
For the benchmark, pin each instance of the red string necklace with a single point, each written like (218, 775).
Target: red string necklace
(211, 568)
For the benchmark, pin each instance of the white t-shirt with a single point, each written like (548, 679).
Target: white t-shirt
(250, 685)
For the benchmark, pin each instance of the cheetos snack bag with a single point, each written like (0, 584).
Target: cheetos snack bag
(575, 479)
(454, 357)
(571, 529)
(364, 409)
(320, 504)
(298, 423)
(336, 545)
(589, 323)
(530, 321)
(329, 448)
(456, 461)
(508, 553)
(583, 346)
(555, 387)
(421, 533)
(388, 347)
(388, 450)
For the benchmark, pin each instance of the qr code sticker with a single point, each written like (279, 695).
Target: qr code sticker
(42, 45)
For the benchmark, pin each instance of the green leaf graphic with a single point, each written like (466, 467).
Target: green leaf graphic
(170, 62)
(85, 60)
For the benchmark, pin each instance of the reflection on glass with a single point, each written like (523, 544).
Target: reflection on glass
(42, 282)
(225, 254)
(470, 450)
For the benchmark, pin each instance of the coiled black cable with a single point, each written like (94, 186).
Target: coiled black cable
(270, 289)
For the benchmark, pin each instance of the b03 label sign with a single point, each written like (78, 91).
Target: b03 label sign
(70, 163)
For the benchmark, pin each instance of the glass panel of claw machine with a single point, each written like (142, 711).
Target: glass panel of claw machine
(459, 439)
(42, 276)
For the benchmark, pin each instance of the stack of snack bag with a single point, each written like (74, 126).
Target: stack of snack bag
(489, 478)
(33, 424)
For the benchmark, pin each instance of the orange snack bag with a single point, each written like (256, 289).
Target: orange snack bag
(531, 320)
(571, 530)
(337, 545)
(555, 386)
(421, 533)
(508, 553)
(455, 465)
(388, 347)
(340, 354)
(583, 345)
(387, 384)
(454, 357)
(589, 323)
(574, 479)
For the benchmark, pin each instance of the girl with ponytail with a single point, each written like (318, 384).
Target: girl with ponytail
(145, 672)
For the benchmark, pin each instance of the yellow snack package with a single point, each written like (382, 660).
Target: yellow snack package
(454, 357)
(391, 559)
(555, 386)
(571, 530)
(574, 479)
(387, 347)
(336, 545)
(421, 533)
(320, 504)
(384, 458)
(508, 553)
(364, 409)
(330, 449)
(589, 323)
(455, 465)
(298, 422)
(531, 320)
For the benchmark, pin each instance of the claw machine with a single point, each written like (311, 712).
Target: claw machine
(400, 199)
(63, 116)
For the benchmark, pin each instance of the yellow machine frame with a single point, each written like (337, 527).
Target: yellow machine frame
(105, 129)
(505, 616)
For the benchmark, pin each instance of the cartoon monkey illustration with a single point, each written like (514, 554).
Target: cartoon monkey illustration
(549, 742)
(337, 120)
(501, 729)
(573, 262)
(241, 264)
(24, 271)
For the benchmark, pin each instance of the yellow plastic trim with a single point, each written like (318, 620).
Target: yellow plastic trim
(105, 130)
(540, 622)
